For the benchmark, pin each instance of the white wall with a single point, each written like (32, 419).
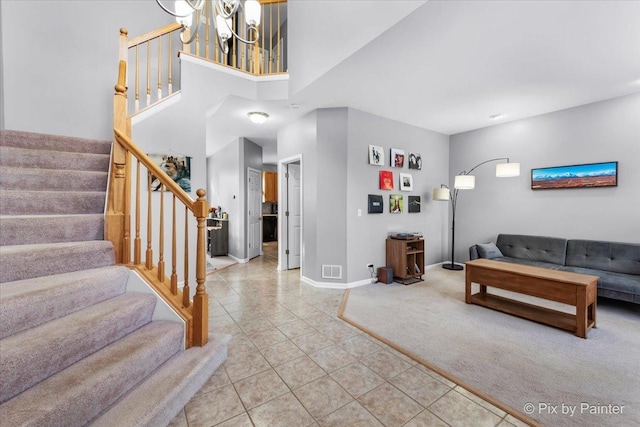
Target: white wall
(599, 132)
(60, 62)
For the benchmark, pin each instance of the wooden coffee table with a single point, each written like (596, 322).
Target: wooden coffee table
(566, 287)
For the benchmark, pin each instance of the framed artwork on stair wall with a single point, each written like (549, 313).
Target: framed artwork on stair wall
(177, 167)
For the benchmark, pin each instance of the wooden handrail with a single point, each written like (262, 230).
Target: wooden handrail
(155, 169)
(154, 34)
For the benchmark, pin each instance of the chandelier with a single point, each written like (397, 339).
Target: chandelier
(222, 12)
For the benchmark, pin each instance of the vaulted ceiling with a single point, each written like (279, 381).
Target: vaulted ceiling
(449, 66)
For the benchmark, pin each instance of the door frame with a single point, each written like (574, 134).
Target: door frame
(282, 203)
(248, 224)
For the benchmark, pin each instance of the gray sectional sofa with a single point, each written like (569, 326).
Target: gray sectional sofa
(617, 264)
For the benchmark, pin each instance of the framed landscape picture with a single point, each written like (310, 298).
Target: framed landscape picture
(575, 176)
(397, 158)
(376, 155)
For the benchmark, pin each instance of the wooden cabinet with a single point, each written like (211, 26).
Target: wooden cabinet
(406, 258)
(270, 186)
(218, 241)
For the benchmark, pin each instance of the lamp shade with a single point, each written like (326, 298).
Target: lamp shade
(183, 8)
(252, 11)
(507, 170)
(441, 194)
(464, 182)
(224, 27)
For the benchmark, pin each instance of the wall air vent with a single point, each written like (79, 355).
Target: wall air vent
(331, 271)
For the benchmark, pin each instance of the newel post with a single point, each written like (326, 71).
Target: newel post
(117, 218)
(201, 299)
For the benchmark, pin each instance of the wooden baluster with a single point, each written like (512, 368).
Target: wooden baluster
(270, 35)
(278, 49)
(136, 240)
(174, 254)
(170, 81)
(137, 102)
(207, 13)
(149, 255)
(197, 43)
(161, 237)
(185, 47)
(201, 299)
(148, 74)
(185, 289)
(159, 68)
(234, 60)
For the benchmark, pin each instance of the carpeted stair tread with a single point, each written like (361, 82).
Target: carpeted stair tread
(36, 229)
(21, 262)
(59, 160)
(160, 397)
(12, 178)
(40, 141)
(79, 393)
(28, 303)
(35, 354)
(51, 202)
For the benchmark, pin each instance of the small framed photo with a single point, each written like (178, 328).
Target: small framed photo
(386, 180)
(406, 182)
(376, 155)
(413, 204)
(375, 203)
(415, 161)
(396, 203)
(397, 158)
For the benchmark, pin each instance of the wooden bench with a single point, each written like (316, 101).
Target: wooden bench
(565, 287)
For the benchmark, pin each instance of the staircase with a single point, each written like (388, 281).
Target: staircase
(75, 347)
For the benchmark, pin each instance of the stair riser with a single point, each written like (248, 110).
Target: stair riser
(51, 202)
(50, 229)
(51, 180)
(39, 141)
(58, 160)
(39, 262)
(78, 394)
(25, 304)
(34, 355)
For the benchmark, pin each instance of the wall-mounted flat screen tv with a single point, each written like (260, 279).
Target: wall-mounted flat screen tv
(575, 176)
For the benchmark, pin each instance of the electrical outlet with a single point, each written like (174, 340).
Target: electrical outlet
(369, 265)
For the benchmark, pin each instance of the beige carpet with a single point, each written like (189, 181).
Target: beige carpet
(535, 369)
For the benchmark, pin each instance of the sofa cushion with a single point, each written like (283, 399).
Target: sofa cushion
(534, 248)
(625, 287)
(608, 256)
(541, 264)
(488, 250)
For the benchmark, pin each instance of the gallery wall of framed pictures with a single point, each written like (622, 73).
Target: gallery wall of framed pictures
(398, 159)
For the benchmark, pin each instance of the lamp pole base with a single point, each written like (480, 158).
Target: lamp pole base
(450, 266)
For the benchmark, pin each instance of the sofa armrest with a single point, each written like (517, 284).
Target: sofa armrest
(473, 252)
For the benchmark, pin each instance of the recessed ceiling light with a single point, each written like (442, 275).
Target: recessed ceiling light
(495, 116)
(294, 106)
(258, 117)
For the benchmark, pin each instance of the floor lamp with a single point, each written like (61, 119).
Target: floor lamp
(465, 181)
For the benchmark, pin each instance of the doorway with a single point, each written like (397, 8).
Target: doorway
(290, 230)
(254, 201)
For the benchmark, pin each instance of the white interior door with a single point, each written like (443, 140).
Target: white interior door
(254, 232)
(294, 212)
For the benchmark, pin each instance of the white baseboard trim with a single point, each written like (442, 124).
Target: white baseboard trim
(239, 260)
(442, 263)
(335, 285)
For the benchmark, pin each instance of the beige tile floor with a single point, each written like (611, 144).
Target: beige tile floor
(291, 362)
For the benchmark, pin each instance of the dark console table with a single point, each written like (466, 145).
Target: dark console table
(218, 236)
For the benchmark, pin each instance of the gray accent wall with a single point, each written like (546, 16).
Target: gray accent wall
(600, 132)
(337, 180)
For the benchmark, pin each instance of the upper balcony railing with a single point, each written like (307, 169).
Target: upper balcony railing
(154, 71)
